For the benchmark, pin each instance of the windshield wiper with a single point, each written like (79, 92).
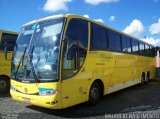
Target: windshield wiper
(32, 66)
(22, 58)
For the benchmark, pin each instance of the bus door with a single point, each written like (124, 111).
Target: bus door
(74, 83)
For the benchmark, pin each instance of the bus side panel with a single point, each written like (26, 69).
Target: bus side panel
(152, 68)
(123, 72)
(146, 64)
(128, 70)
(100, 65)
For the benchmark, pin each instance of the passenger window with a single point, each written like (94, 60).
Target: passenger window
(135, 47)
(114, 41)
(142, 49)
(75, 47)
(152, 51)
(126, 44)
(78, 30)
(147, 50)
(99, 38)
(8, 40)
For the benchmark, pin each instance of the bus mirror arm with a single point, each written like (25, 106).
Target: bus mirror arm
(72, 50)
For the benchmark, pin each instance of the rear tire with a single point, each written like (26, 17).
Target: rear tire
(94, 93)
(4, 85)
(142, 80)
(147, 78)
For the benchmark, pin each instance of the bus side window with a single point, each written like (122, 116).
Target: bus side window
(99, 38)
(75, 47)
(135, 47)
(147, 50)
(114, 41)
(152, 52)
(142, 49)
(126, 44)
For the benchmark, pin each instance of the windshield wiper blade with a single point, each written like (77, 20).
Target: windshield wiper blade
(32, 66)
(34, 72)
(20, 62)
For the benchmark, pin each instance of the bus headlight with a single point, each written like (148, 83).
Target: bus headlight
(48, 92)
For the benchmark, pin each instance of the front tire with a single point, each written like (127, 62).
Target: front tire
(94, 93)
(4, 85)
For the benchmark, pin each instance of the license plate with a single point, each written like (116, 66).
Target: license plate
(26, 100)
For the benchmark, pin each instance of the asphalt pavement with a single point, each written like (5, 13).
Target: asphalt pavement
(133, 102)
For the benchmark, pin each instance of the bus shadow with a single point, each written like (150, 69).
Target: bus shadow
(135, 98)
(5, 95)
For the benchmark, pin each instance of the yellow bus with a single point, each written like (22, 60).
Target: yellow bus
(63, 60)
(7, 41)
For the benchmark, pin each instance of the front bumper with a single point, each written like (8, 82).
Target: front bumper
(51, 102)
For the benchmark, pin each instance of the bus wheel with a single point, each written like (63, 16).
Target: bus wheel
(142, 79)
(94, 93)
(4, 85)
(147, 78)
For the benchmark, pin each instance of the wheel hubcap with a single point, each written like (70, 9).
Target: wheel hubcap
(94, 93)
(2, 84)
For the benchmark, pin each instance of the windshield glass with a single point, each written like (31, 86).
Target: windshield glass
(36, 54)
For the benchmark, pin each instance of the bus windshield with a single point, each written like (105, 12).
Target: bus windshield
(36, 54)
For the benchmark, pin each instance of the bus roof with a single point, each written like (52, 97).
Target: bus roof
(90, 20)
(45, 18)
(7, 31)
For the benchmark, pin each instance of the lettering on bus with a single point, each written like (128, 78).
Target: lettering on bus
(104, 57)
(100, 63)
